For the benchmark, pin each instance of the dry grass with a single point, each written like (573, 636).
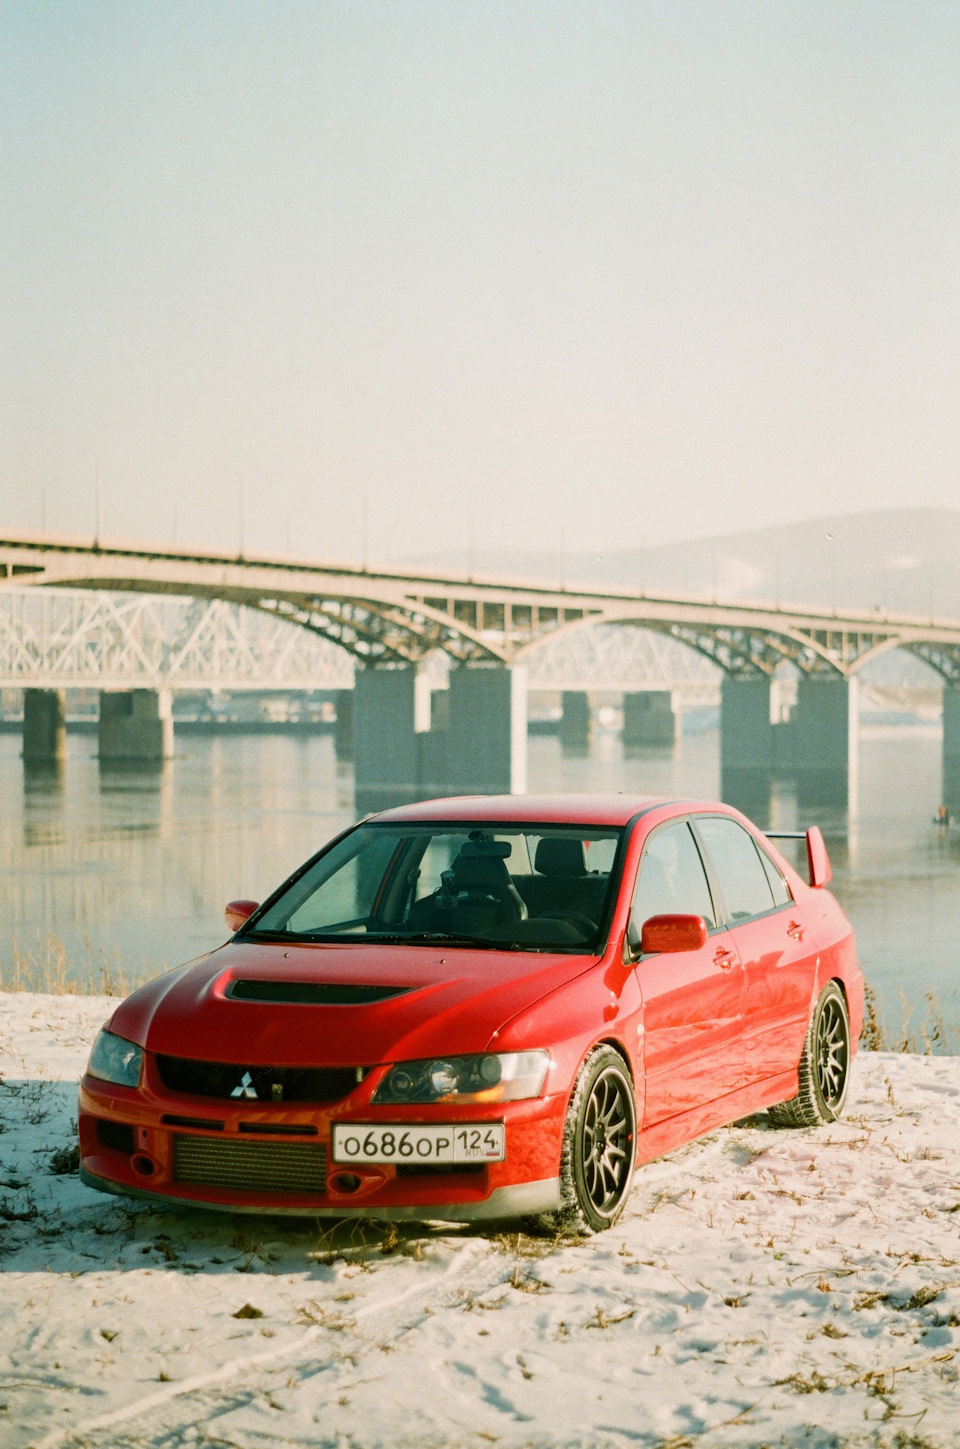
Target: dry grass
(922, 1032)
(47, 968)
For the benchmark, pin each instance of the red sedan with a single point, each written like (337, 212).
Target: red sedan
(483, 1008)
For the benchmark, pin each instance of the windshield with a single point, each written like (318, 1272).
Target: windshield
(520, 887)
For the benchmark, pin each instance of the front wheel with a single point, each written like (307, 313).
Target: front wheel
(824, 1065)
(599, 1147)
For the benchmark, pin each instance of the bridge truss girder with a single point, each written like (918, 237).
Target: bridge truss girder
(382, 633)
(81, 638)
(944, 658)
(755, 651)
(59, 638)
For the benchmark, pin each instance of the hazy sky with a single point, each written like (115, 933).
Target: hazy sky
(536, 273)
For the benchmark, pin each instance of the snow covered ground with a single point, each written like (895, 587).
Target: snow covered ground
(766, 1288)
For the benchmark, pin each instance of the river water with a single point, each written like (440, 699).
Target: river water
(131, 871)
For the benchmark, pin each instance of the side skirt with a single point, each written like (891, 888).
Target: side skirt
(687, 1126)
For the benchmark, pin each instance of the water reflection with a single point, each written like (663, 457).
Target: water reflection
(134, 865)
(758, 793)
(43, 798)
(827, 790)
(136, 797)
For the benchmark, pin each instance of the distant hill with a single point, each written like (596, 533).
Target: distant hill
(904, 560)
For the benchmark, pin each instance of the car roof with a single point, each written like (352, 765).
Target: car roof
(541, 809)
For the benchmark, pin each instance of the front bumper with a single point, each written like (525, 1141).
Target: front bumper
(519, 1200)
(132, 1143)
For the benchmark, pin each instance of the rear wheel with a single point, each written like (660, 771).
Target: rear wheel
(824, 1065)
(599, 1147)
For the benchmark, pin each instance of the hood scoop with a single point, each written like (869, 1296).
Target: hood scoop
(312, 993)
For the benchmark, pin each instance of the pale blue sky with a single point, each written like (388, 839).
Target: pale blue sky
(549, 273)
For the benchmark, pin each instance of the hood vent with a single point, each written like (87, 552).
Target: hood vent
(311, 993)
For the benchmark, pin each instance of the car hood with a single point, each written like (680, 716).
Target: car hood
(453, 1000)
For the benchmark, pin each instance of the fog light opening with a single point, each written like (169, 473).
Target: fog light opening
(348, 1181)
(143, 1164)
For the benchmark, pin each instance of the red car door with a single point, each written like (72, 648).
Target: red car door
(691, 999)
(779, 959)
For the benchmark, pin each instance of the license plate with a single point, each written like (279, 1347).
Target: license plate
(473, 1142)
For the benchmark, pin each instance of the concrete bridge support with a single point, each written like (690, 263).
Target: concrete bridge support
(746, 731)
(44, 726)
(648, 719)
(746, 744)
(385, 750)
(825, 729)
(343, 729)
(136, 726)
(576, 723)
(412, 743)
(951, 750)
(818, 747)
(487, 733)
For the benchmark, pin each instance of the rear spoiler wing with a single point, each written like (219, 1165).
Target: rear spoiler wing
(819, 869)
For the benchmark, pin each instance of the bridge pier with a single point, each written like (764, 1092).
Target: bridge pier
(825, 730)
(648, 719)
(135, 727)
(343, 728)
(576, 723)
(385, 749)
(487, 733)
(950, 793)
(413, 743)
(818, 746)
(44, 726)
(746, 743)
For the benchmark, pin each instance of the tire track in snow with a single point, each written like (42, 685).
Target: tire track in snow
(249, 1363)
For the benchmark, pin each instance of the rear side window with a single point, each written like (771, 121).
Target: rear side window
(781, 891)
(672, 879)
(738, 868)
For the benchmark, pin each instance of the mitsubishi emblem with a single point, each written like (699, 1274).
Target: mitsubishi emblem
(245, 1088)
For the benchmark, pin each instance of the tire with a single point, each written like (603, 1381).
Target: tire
(824, 1065)
(599, 1149)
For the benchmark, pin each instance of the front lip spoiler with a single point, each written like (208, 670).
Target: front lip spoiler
(519, 1200)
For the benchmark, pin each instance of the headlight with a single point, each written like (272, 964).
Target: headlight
(507, 1077)
(115, 1060)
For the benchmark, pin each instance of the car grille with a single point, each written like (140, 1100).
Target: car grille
(250, 1166)
(221, 1079)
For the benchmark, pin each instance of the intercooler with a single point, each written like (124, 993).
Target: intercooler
(250, 1166)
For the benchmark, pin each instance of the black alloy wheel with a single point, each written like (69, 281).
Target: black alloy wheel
(599, 1147)
(832, 1053)
(824, 1074)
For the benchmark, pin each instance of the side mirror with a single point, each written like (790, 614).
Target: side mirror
(819, 869)
(237, 912)
(673, 933)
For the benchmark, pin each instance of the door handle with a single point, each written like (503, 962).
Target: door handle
(724, 959)
(795, 931)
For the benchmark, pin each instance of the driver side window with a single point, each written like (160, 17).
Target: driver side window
(672, 880)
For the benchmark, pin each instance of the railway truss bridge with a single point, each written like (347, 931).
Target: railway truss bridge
(411, 739)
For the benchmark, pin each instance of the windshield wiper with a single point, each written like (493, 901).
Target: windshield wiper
(310, 936)
(444, 938)
(391, 938)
